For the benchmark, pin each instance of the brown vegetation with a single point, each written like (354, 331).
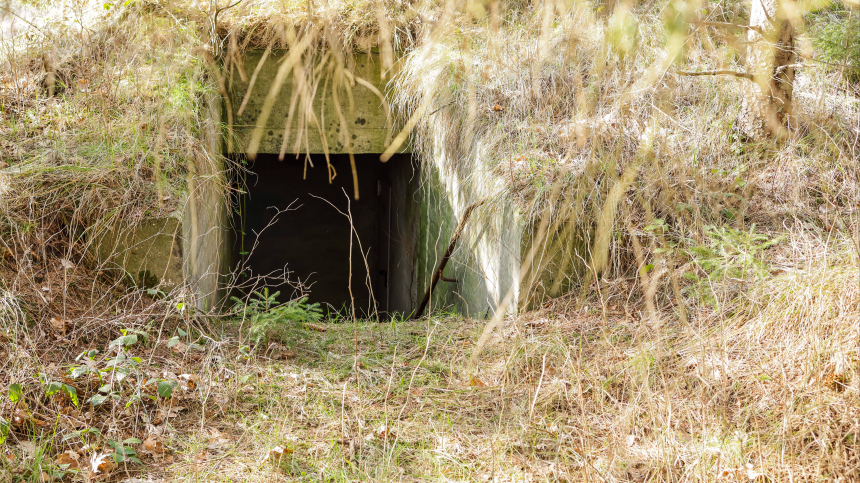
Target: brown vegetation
(711, 333)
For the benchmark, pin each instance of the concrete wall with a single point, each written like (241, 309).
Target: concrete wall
(425, 209)
(206, 228)
(189, 246)
(486, 262)
(365, 116)
(148, 253)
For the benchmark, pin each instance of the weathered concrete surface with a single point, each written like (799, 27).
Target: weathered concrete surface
(365, 115)
(149, 252)
(193, 247)
(486, 262)
(206, 229)
(190, 247)
(500, 255)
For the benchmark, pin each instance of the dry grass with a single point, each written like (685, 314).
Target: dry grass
(768, 392)
(717, 340)
(101, 122)
(548, 105)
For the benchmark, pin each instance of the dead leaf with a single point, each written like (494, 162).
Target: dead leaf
(201, 458)
(174, 411)
(179, 348)
(753, 475)
(382, 432)
(217, 440)
(165, 413)
(286, 354)
(28, 449)
(276, 456)
(58, 325)
(69, 458)
(188, 382)
(19, 418)
(153, 445)
(102, 463)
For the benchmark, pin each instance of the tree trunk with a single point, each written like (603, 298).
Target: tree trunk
(767, 103)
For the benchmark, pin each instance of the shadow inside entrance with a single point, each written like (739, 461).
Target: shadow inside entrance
(293, 227)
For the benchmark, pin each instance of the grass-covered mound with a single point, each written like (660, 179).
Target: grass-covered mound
(711, 333)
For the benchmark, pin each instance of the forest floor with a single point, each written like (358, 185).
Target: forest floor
(576, 395)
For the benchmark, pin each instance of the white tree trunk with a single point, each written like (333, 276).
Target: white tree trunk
(767, 103)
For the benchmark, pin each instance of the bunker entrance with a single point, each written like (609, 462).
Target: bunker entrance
(292, 226)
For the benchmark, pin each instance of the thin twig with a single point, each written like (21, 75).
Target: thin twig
(744, 75)
(437, 275)
(440, 108)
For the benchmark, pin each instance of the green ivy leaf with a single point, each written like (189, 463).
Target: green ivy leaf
(4, 430)
(165, 389)
(73, 394)
(53, 388)
(125, 341)
(15, 392)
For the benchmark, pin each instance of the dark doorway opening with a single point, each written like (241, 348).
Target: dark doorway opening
(291, 227)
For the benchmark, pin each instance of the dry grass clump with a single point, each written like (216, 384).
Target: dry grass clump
(562, 394)
(348, 24)
(710, 335)
(100, 123)
(570, 110)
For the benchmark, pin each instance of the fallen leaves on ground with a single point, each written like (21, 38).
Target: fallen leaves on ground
(70, 459)
(277, 455)
(102, 463)
(153, 445)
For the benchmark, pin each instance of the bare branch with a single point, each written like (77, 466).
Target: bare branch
(745, 75)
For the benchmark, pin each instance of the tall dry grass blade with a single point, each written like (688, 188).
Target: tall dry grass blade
(250, 88)
(606, 219)
(292, 59)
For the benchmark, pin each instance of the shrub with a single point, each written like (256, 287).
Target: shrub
(837, 40)
(270, 320)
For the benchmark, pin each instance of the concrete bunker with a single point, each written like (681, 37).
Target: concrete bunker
(405, 214)
(292, 221)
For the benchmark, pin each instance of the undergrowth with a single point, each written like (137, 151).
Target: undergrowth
(709, 331)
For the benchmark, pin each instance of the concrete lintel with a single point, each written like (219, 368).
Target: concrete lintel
(366, 124)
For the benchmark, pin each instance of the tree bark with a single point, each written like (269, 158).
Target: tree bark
(767, 102)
